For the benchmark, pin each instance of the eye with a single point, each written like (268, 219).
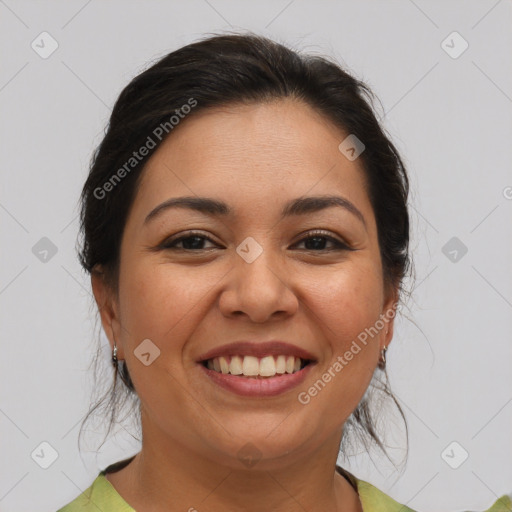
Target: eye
(192, 241)
(315, 242)
(318, 239)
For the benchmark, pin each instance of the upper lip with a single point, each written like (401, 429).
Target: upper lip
(257, 349)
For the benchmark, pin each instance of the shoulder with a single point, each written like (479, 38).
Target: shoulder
(502, 504)
(101, 495)
(373, 500)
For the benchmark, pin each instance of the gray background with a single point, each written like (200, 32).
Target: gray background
(450, 117)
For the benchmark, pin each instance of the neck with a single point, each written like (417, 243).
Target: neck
(166, 472)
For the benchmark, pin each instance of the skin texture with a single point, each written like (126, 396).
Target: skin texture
(255, 158)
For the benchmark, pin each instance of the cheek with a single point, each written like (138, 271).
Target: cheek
(346, 305)
(159, 301)
(161, 304)
(347, 302)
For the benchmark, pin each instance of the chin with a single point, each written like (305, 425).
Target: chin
(259, 450)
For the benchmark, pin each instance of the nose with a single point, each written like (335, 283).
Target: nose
(259, 290)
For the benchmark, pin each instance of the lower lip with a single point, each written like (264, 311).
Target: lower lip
(250, 386)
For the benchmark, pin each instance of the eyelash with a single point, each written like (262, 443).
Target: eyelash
(170, 243)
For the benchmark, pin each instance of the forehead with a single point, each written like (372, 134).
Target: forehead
(253, 154)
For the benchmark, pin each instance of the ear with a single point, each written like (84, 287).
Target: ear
(389, 312)
(108, 308)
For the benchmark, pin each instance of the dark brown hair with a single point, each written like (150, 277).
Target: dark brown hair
(228, 69)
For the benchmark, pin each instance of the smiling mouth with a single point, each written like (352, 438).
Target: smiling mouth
(256, 367)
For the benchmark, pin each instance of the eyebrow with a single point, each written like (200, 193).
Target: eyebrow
(214, 207)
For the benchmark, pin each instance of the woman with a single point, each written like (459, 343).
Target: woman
(246, 229)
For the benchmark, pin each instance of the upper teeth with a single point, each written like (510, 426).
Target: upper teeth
(251, 366)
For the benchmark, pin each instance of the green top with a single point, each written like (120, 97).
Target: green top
(102, 496)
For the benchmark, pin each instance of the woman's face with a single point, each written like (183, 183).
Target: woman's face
(253, 275)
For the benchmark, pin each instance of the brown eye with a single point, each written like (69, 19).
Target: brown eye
(318, 240)
(190, 242)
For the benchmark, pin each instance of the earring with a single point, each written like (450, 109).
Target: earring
(114, 354)
(382, 361)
